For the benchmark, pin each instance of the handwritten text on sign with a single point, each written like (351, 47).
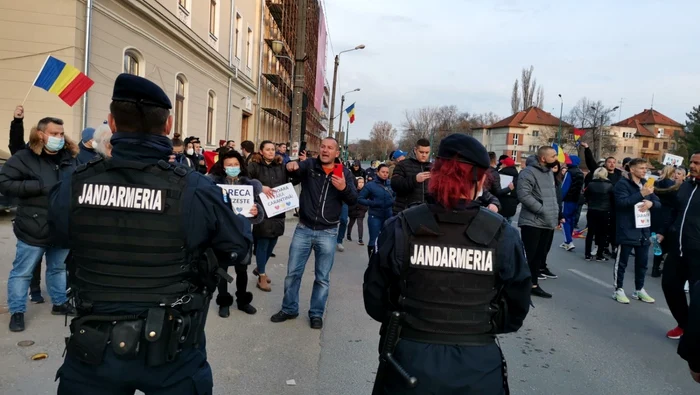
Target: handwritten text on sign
(285, 199)
(241, 198)
(641, 219)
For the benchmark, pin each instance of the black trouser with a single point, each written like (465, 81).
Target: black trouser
(241, 288)
(598, 228)
(612, 232)
(537, 242)
(35, 284)
(360, 227)
(678, 270)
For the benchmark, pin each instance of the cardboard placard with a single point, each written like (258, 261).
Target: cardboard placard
(505, 181)
(241, 198)
(285, 199)
(641, 219)
(673, 160)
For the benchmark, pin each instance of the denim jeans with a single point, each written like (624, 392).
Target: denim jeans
(26, 259)
(264, 251)
(375, 224)
(343, 225)
(322, 242)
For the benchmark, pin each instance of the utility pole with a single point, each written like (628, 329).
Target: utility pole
(299, 74)
(335, 81)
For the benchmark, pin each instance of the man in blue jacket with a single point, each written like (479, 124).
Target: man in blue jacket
(320, 206)
(632, 196)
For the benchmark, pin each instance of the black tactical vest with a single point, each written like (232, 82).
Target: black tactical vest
(448, 279)
(127, 233)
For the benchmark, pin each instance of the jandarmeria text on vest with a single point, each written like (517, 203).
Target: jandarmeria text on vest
(452, 257)
(115, 196)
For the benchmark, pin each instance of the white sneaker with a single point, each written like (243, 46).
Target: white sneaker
(643, 296)
(594, 250)
(686, 287)
(340, 247)
(620, 296)
(569, 247)
(563, 245)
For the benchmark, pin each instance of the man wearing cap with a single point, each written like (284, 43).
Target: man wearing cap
(141, 232)
(454, 275)
(87, 152)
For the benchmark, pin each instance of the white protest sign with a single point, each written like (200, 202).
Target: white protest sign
(641, 219)
(285, 199)
(673, 160)
(241, 198)
(505, 181)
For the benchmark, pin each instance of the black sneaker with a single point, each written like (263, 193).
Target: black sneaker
(282, 316)
(601, 258)
(349, 238)
(64, 309)
(316, 323)
(248, 309)
(541, 277)
(360, 242)
(547, 273)
(656, 272)
(36, 298)
(538, 291)
(272, 255)
(17, 322)
(588, 258)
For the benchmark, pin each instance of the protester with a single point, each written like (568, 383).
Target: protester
(102, 141)
(181, 157)
(539, 213)
(356, 213)
(378, 196)
(571, 194)
(411, 177)
(665, 188)
(29, 176)
(357, 170)
(282, 151)
(247, 149)
(231, 144)
(614, 174)
(559, 172)
(228, 170)
(269, 170)
(509, 201)
(322, 197)
(193, 150)
(629, 192)
(87, 151)
(600, 197)
(372, 171)
(395, 157)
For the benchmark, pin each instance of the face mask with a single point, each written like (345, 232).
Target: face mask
(550, 165)
(55, 143)
(233, 171)
(190, 151)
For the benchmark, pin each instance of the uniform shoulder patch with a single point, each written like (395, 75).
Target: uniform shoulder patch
(453, 258)
(121, 197)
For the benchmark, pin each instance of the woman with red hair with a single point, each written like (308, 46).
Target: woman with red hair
(456, 275)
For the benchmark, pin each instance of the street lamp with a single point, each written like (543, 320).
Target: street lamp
(561, 114)
(340, 121)
(335, 79)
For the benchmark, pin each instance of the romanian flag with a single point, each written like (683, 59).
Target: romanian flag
(63, 80)
(577, 135)
(561, 156)
(351, 112)
(210, 157)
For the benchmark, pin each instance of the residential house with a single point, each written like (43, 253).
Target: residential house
(648, 134)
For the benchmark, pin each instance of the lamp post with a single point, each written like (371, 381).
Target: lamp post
(342, 110)
(561, 114)
(335, 80)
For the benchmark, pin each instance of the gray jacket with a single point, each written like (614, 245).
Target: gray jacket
(538, 195)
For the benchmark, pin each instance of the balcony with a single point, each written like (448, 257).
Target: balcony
(279, 82)
(276, 10)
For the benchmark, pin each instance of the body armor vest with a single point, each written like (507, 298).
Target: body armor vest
(127, 233)
(448, 279)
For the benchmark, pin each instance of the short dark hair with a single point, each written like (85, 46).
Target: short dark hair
(43, 122)
(611, 157)
(177, 141)
(218, 168)
(543, 150)
(637, 161)
(492, 156)
(139, 118)
(248, 146)
(383, 165)
(423, 143)
(332, 138)
(264, 143)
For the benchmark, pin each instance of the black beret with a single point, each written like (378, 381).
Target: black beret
(465, 149)
(134, 89)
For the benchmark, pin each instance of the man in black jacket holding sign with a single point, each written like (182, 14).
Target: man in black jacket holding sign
(320, 206)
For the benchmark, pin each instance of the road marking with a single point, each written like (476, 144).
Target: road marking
(665, 311)
(591, 278)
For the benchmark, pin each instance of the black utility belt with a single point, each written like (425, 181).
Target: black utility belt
(160, 334)
(447, 339)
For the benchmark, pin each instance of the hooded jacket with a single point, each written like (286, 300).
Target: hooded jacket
(271, 175)
(666, 190)
(378, 196)
(29, 175)
(627, 194)
(537, 193)
(573, 183)
(509, 200)
(360, 172)
(403, 182)
(685, 218)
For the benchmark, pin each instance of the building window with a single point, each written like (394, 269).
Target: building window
(645, 144)
(515, 139)
(665, 145)
(132, 62)
(181, 90)
(211, 105)
(656, 146)
(514, 155)
(628, 135)
(535, 133)
(237, 36)
(212, 18)
(249, 49)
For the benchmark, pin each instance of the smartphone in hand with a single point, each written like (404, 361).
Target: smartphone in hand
(338, 170)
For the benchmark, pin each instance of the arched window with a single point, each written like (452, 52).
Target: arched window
(180, 91)
(132, 61)
(211, 116)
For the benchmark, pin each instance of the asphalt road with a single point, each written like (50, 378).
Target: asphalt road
(579, 342)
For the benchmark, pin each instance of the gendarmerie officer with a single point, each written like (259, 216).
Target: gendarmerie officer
(453, 275)
(138, 228)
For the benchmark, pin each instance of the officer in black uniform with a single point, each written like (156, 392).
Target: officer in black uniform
(140, 231)
(448, 277)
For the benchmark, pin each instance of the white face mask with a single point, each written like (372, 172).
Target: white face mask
(190, 151)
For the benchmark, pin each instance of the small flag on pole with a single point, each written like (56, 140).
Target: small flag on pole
(63, 80)
(577, 135)
(351, 112)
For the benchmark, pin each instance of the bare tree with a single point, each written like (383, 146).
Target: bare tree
(515, 98)
(594, 118)
(539, 101)
(439, 122)
(528, 90)
(382, 138)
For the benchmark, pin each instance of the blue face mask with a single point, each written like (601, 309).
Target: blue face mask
(233, 171)
(55, 143)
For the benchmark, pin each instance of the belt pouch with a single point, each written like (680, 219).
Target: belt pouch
(88, 344)
(157, 331)
(126, 338)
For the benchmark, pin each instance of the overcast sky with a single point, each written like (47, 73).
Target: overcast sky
(469, 52)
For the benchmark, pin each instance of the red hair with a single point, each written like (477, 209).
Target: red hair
(452, 180)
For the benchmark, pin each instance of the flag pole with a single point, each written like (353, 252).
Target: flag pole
(28, 92)
(35, 78)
